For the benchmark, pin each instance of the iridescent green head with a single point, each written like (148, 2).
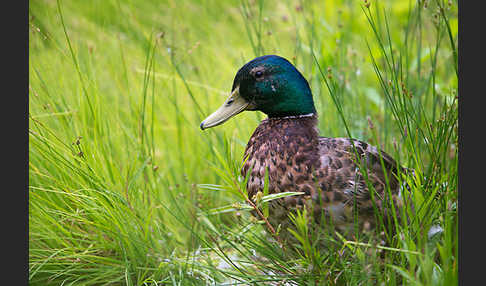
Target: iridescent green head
(270, 84)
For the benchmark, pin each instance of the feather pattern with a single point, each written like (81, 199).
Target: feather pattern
(326, 170)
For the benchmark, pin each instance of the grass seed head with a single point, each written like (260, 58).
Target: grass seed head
(370, 123)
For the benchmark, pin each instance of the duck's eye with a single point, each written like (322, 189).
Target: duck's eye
(258, 74)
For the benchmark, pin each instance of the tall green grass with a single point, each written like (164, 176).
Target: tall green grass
(124, 188)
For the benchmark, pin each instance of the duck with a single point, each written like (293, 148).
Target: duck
(341, 182)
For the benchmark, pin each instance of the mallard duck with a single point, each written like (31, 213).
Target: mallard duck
(287, 146)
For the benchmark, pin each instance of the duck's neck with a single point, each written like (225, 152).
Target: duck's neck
(292, 125)
(290, 134)
(295, 116)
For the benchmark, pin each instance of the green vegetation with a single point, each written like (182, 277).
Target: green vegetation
(125, 189)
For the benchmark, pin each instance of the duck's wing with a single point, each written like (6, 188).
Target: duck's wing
(342, 170)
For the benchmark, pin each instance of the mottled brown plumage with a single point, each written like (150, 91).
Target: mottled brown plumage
(325, 169)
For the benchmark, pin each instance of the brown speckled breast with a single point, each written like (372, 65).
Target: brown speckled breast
(324, 169)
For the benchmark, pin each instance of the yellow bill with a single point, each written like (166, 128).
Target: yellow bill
(232, 106)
